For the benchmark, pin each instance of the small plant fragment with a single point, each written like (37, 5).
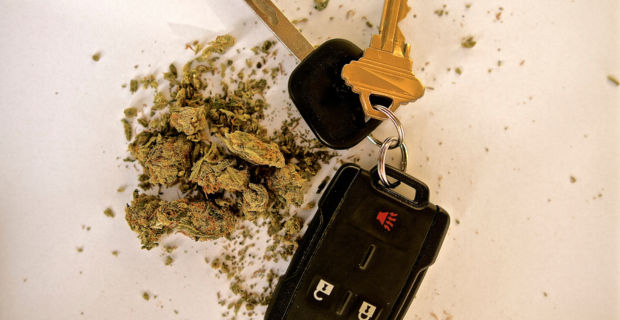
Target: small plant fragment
(370, 25)
(219, 45)
(169, 260)
(108, 213)
(131, 112)
(115, 253)
(146, 296)
(296, 22)
(96, 56)
(133, 86)
(573, 179)
(79, 249)
(320, 4)
(121, 189)
(458, 71)
(614, 80)
(468, 43)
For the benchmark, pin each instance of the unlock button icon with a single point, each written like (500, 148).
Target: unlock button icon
(366, 312)
(323, 287)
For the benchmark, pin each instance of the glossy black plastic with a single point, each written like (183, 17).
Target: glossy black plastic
(332, 111)
(348, 247)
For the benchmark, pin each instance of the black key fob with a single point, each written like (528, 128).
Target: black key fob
(330, 108)
(365, 252)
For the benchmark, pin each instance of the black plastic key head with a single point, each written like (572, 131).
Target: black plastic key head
(332, 111)
(365, 252)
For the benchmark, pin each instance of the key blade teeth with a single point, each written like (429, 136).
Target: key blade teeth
(281, 27)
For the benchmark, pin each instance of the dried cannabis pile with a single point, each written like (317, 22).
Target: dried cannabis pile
(214, 149)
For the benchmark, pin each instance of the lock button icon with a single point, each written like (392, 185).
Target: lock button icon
(366, 311)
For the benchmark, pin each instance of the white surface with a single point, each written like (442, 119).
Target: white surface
(530, 244)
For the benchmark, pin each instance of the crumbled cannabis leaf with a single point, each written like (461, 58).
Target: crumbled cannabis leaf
(131, 112)
(169, 261)
(108, 213)
(458, 71)
(296, 21)
(468, 43)
(220, 45)
(320, 4)
(96, 57)
(115, 253)
(127, 128)
(133, 86)
(614, 80)
(214, 149)
(146, 296)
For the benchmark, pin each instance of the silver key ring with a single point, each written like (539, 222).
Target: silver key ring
(381, 162)
(399, 128)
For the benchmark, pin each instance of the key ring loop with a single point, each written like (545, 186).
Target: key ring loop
(399, 128)
(381, 162)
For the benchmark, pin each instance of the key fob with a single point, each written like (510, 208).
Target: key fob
(332, 111)
(365, 252)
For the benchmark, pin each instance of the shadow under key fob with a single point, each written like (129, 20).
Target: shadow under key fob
(365, 252)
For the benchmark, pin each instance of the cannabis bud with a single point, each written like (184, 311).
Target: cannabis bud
(252, 149)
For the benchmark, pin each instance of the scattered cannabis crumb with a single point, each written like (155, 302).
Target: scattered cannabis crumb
(131, 112)
(169, 249)
(296, 21)
(458, 71)
(133, 86)
(146, 296)
(613, 79)
(96, 56)
(115, 253)
(573, 179)
(79, 249)
(121, 189)
(169, 260)
(108, 213)
(468, 43)
(370, 25)
(320, 4)
(127, 128)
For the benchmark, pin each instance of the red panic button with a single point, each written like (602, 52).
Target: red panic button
(387, 219)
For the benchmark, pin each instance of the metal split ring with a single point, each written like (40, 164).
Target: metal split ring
(399, 128)
(381, 162)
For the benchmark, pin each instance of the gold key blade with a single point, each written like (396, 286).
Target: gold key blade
(385, 68)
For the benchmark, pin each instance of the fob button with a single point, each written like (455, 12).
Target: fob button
(322, 293)
(323, 287)
(365, 311)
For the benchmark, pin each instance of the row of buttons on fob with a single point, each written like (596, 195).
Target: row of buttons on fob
(324, 293)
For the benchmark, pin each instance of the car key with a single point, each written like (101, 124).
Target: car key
(364, 253)
(385, 68)
(329, 107)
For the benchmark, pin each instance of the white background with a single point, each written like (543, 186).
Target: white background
(497, 150)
